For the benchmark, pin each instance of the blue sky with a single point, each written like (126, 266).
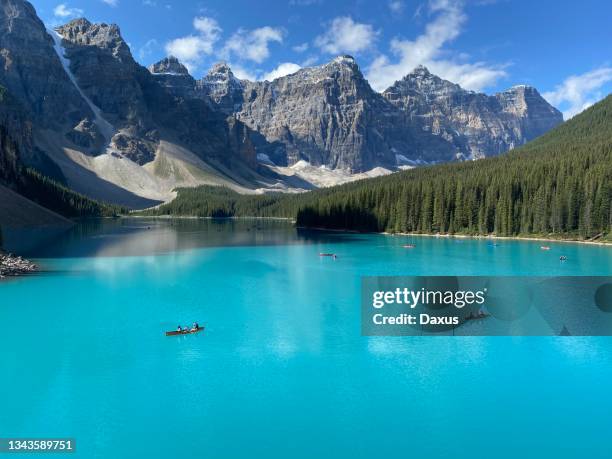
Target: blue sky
(562, 47)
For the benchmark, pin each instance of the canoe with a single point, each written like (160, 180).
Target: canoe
(184, 332)
(327, 255)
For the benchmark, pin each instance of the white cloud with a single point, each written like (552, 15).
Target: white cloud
(346, 36)
(428, 49)
(396, 6)
(208, 27)
(301, 48)
(286, 68)
(243, 74)
(112, 3)
(252, 45)
(63, 11)
(191, 49)
(579, 92)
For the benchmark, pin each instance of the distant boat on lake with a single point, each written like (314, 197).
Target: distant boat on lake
(184, 331)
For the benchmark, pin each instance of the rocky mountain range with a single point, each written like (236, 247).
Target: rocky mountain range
(77, 107)
(474, 125)
(330, 116)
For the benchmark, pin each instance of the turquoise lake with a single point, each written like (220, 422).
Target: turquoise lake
(282, 370)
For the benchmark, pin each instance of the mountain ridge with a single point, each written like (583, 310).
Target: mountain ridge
(111, 129)
(76, 79)
(440, 121)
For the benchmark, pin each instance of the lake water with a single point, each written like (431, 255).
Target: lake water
(282, 370)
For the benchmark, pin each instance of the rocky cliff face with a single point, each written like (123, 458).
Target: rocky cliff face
(326, 115)
(106, 72)
(30, 69)
(114, 130)
(101, 117)
(474, 125)
(142, 104)
(174, 76)
(330, 116)
(535, 115)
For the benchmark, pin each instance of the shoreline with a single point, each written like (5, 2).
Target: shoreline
(507, 238)
(336, 230)
(192, 217)
(13, 266)
(464, 236)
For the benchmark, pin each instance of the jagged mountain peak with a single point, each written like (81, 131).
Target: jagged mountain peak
(474, 123)
(170, 66)
(342, 71)
(421, 70)
(526, 101)
(344, 62)
(423, 81)
(522, 89)
(221, 72)
(220, 67)
(82, 32)
(345, 59)
(82, 23)
(221, 86)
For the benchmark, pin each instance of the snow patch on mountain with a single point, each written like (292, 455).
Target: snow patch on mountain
(323, 176)
(105, 128)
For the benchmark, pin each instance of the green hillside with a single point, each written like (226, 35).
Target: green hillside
(559, 185)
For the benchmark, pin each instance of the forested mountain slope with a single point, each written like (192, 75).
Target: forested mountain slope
(559, 184)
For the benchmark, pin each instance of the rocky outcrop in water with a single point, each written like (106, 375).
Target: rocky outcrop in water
(11, 266)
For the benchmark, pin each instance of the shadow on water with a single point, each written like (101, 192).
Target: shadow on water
(154, 236)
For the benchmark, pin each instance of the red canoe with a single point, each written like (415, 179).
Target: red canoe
(184, 332)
